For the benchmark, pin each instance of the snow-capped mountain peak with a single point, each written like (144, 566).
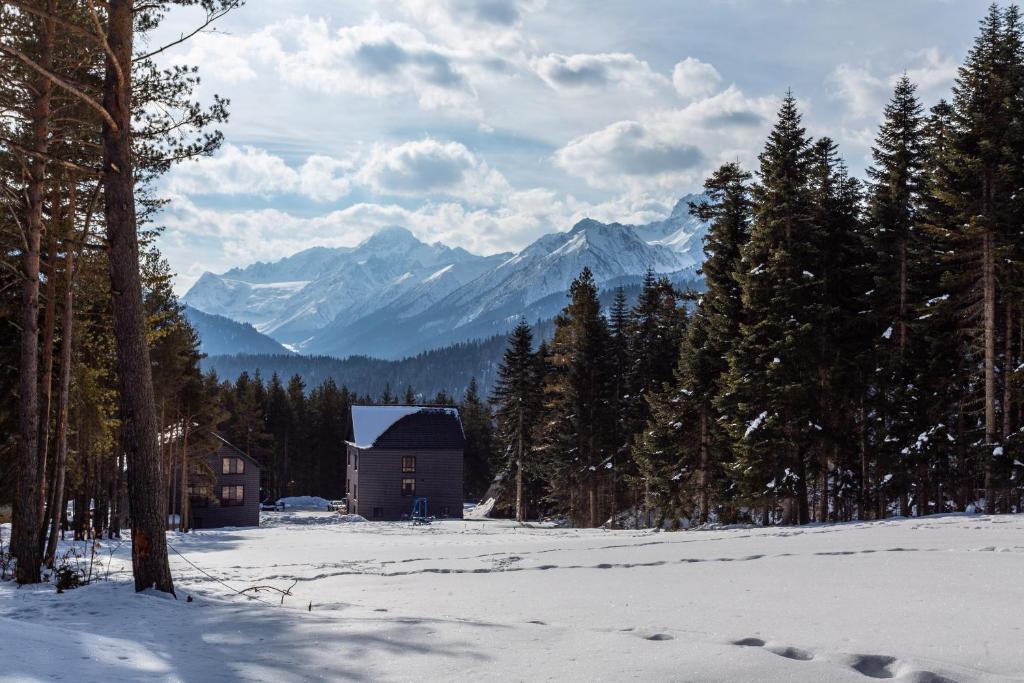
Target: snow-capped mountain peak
(394, 294)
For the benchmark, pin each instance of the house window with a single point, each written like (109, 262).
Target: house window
(378, 513)
(195, 468)
(232, 466)
(408, 463)
(355, 461)
(231, 495)
(408, 487)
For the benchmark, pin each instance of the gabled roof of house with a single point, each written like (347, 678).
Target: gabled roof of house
(406, 427)
(228, 449)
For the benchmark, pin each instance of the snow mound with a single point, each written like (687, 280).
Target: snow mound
(348, 519)
(304, 502)
(480, 511)
(298, 517)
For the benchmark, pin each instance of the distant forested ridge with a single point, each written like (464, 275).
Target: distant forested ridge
(447, 369)
(219, 335)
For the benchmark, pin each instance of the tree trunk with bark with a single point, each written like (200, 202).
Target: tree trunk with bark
(147, 498)
(989, 312)
(26, 523)
(57, 507)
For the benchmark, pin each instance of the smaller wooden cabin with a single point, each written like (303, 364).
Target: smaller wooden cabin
(228, 497)
(400, 453)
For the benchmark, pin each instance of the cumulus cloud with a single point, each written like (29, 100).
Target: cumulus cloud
(251, 171)
(426, 167)
(235, 170)
(595, 71)
(374, 58)
(627, 147)
(694, 79)
(672, 148)
(429, 166)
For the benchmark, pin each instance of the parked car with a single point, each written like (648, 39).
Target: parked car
(270, 506)
(340, 506)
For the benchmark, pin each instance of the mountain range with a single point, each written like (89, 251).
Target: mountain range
(394, 296)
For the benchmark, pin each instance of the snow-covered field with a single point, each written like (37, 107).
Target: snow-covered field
(938, 598)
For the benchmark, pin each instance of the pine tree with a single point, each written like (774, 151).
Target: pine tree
(577, 434)
(837, 277)
(478, 426)
(770, 392)
(684, 448)
(517, 402)
(896, 246)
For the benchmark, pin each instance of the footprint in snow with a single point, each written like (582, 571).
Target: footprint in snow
(884, 666)
(785, 651)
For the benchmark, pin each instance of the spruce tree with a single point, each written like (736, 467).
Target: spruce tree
(478, 426)
(771, 387)
(684, 448)
(579, 425)
(517, 402)
(837, 278)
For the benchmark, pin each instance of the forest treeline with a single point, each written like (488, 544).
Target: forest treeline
(857, 352)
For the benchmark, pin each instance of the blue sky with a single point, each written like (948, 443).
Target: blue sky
(486, 123)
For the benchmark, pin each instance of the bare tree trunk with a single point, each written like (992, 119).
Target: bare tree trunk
(519, 472)
(989, 285)
(865, 503)
(46, 380)
(25, 529)
(183, 483)
(802, 508)
(704, 496)
(147, 501)
(57, 507)
(1008, 367)
(903, 298)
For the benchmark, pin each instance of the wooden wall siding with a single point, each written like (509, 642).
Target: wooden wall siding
(379, 481)
(213, 515)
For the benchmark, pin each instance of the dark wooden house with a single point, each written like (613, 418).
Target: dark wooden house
(400, 453)
(227, 493)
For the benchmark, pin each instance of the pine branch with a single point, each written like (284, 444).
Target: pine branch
(62, 83)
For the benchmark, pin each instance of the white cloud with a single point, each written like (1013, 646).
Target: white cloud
(426, 167)
(694, 79)
(422, 168)
(673, 148)
(375, 58)
(325, 179)
(584, 72)
(251, 171)
(235, 170)
(863, 91)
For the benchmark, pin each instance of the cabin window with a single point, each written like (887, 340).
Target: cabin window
(231, 495)
(195, 468)
(355, 461)
(408, 463)
(232, 466)
(408, 487)
(378, 513)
